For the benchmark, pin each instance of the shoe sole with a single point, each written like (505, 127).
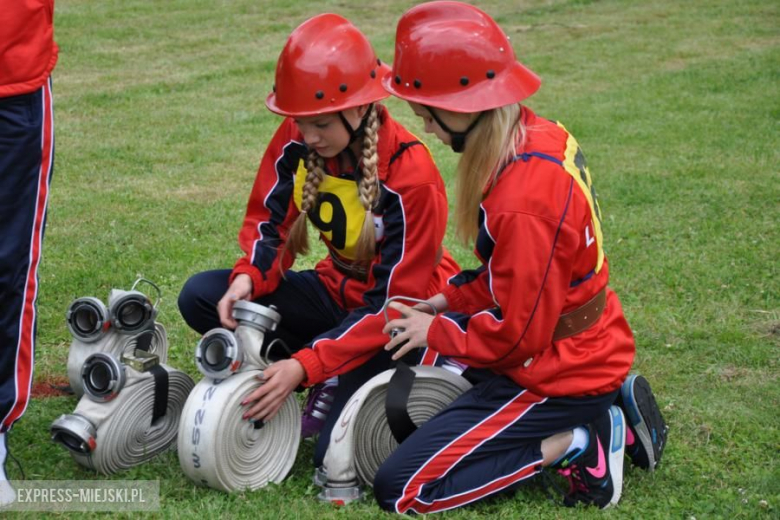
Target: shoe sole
(645, 417)
(617, 449)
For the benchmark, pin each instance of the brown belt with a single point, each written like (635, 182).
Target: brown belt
(357, 271)
(360, 272)
(581, 318)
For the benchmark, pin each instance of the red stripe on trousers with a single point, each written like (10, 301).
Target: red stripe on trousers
(476, 494)
(24, 351)
(429, 357)
(450, 455)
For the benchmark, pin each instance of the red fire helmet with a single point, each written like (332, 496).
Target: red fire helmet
(453, 56)
(327, 65)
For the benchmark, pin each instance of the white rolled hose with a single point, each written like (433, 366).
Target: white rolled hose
(121, 421)
(217, 447)
(362, 438)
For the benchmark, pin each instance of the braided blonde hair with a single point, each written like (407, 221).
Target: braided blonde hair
(368, 188)
(298, 239)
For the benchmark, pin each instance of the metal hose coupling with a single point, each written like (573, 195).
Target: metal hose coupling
(125, 325)
(217, 447)
(221, 353)
(395, 332)
(128, 414)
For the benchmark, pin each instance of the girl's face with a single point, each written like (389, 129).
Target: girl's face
(326, 133)
(454, 120)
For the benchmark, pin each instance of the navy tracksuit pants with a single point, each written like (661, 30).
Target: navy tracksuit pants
(26, 165)
(487, 441)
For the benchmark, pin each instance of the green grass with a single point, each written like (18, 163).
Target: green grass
(161, 124)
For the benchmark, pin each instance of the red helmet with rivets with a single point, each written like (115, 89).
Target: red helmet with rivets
(453, 56)
(327, 65)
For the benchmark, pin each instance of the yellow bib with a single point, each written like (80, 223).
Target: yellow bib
(339, 214)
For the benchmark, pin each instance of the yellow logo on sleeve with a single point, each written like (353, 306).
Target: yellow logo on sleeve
(339, 214)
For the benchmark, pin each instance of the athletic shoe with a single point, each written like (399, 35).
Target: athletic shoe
(315, 412)
(596, 476)
(7, 494)
(646, 433)
(7, 491)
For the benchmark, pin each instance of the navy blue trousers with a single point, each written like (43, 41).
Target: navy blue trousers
(307, 311)
(26, 166)
(487, 441)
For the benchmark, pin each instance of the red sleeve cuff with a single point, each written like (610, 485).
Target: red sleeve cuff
(455, 300)
(258, 284)
(311, 364)
(433, 334)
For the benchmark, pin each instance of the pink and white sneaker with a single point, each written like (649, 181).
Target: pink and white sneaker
(596, 477)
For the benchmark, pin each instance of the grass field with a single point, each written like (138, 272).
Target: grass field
(161, 124)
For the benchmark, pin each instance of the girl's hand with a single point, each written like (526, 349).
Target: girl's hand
(240, 289)
(415, 325)
(279, 380)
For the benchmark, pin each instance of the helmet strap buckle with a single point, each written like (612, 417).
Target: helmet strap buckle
(457, 139)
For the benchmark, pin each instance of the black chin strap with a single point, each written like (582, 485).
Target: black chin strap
(457, 139)
(355, 133)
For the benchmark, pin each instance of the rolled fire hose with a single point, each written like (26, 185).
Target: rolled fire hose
(362, 438)
(127, 324)
(129, 413)
(217, 447)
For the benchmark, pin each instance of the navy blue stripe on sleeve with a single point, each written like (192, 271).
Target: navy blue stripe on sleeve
(466, 276)
(391, 250)
(266, 248)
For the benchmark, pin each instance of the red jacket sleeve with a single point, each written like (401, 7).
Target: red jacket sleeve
(414, 224)
(530, 286)
(469, 291)
(270, 213)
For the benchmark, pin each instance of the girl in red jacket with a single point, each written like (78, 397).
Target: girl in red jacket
(538, 313)
(340, 162)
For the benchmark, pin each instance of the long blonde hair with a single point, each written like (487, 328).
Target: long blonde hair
(489, 147)
(368, 189)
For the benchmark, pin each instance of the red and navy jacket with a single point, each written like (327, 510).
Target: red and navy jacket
(541, 249)
(410, 221)
(27, 49)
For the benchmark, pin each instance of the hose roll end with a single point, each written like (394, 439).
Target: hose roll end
(74, 432)
(218, 355)
(87, 319)
(341, 496)
(256, 316)
(102, 376)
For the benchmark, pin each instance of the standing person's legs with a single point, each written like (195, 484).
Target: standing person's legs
(26, 165)
(302, 301)
(486, 441)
